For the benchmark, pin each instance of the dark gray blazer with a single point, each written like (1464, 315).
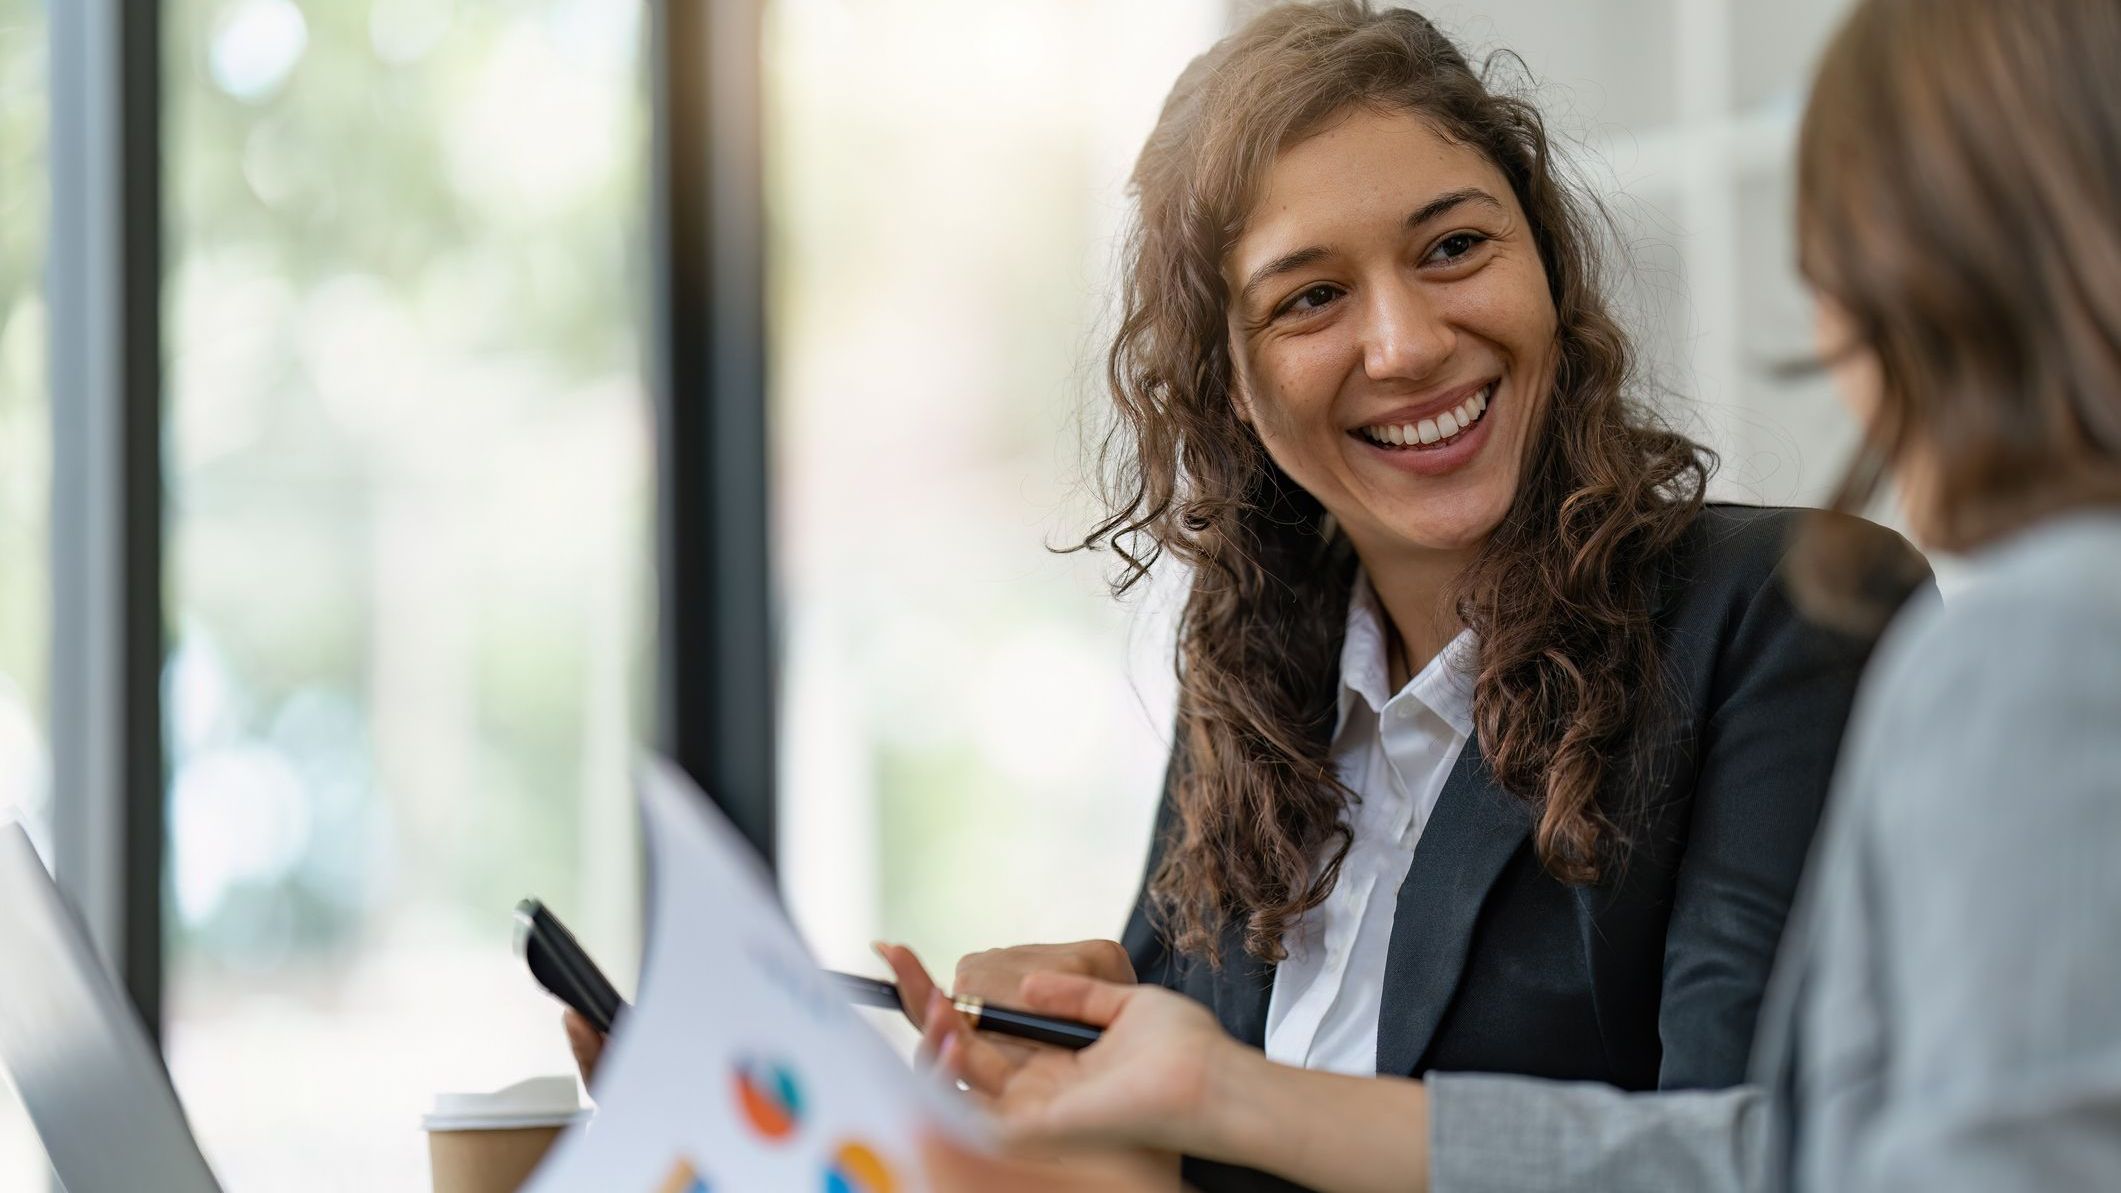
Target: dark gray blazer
(1650, 980)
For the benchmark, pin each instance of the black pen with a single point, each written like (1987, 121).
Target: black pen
(1044, 1029)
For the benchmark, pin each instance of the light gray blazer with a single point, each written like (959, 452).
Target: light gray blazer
(1945, 1013)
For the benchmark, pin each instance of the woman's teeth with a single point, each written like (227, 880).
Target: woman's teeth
(1433, 432)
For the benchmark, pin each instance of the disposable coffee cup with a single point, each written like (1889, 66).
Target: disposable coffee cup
(490, 1143)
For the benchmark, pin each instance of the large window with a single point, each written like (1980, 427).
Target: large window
(409, 474)
(25, 470)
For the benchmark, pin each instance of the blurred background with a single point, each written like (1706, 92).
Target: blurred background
(408, 465)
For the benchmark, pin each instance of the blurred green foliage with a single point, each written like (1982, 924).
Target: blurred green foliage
(25, 452)
(393, 366)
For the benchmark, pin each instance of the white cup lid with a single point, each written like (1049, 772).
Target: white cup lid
(538, 1102)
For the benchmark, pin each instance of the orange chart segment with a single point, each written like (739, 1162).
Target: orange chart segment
(770, 1099)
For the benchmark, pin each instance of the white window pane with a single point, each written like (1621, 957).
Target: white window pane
(1775, 48)
(25, 473)
(1598, 65)
(25, 411)
(409, 485)
(1797, 436)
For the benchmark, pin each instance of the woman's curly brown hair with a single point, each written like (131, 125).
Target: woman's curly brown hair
(1561, 596)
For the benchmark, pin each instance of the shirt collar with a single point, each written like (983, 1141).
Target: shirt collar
(1445, 685)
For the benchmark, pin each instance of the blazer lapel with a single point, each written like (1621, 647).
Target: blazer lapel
(1472, 834)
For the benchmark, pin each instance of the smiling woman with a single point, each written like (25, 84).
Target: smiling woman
(1499, 749)
(1407, 257)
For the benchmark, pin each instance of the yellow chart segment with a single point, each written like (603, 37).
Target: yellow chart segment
(683, 1178)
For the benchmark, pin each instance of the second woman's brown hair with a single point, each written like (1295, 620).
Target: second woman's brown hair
(1561, 596)
(1959, 202)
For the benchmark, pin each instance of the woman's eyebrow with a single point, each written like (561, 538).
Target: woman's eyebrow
(1291, 262)
(1449, 201)
(1286, 263)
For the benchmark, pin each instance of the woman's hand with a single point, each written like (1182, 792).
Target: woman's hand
(586, 1042)
(1146, 1084)
(996, 976)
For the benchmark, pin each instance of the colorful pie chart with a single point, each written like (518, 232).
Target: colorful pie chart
(856, 1168)
(769, 1097)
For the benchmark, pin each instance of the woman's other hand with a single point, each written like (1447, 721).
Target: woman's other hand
(927, 1007)
(1146, 1084)
(586, 1042)
(997, 975)
(915, 987)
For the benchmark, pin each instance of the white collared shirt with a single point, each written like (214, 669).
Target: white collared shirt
(1394, 752)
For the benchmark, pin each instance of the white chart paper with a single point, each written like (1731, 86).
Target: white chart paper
(740, 1069)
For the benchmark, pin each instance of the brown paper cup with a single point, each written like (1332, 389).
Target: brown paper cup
(490, 1142)
(490, 1161)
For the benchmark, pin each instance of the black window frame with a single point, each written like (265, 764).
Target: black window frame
(716, 654)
